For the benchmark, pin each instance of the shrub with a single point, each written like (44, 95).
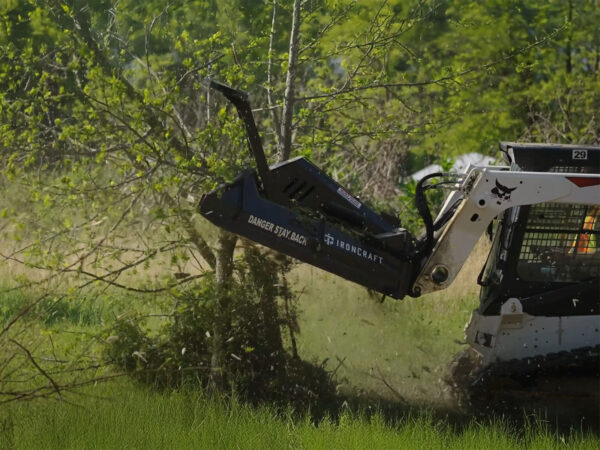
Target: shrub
(258, 308)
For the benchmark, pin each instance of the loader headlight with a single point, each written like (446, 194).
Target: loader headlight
(439, 274)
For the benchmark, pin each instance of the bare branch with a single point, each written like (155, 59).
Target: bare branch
(441, 80)
(38, 367)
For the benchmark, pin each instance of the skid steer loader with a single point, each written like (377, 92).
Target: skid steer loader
(536, 332)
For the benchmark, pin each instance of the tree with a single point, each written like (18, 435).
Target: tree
(538, 63)
(116, 146)
(109, 134)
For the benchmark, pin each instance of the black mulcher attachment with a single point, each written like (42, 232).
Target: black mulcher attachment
(294, 208)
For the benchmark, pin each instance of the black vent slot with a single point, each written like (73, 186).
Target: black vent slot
(306, 193)
(290, 184)
(297, 190)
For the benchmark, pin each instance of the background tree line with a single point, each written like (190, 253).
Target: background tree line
(109, 135)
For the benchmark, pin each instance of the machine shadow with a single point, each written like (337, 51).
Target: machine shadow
(517, 418)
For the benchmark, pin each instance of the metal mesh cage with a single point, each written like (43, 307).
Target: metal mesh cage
(560, 243)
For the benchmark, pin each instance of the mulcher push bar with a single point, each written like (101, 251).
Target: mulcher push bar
(294, 208)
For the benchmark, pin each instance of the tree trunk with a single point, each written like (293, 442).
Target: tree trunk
(569, 51)
(272, 109)
(272, 330)
(285, 148)
(290, 86)
(223, 271)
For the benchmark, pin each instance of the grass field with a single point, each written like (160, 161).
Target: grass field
(407, 343)
(388, 357)
(120, 415)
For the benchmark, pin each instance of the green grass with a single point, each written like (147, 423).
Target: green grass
(407, 343)
(121, 415)
(93, 307)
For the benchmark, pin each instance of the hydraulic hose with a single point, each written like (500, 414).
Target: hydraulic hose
(426, 244)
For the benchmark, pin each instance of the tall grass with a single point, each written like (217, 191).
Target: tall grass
(390, 348)
(122, 415)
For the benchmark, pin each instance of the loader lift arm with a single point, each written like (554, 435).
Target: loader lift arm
(486, 192)
(295, 208)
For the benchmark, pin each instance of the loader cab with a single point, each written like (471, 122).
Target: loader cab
(547, 254)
